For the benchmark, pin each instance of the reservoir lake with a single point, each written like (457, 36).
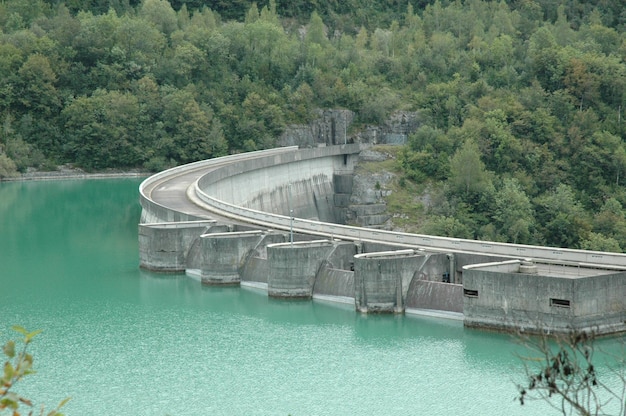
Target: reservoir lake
(123, 341)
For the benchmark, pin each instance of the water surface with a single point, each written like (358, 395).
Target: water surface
(122, 341)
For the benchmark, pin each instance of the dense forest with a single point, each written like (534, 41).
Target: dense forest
(521, 102)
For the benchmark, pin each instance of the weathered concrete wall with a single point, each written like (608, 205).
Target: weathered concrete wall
(432, 295)
(381, 280)
(434, 267)
(342, 184)
(341, 257)
(504, 300)
(335, 277)
(599, 302)
(255, 270)
(508, 300)
(301, 183)
(334, 282)
(217, 258)
(372, 247)
(430, 287)
(163, 247)
(256, 267)
(464, 259)
(368, 205)
(293, 267)
(154, 213)
(309, 199)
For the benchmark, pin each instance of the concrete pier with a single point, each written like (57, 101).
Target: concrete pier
(218, 259)
(163, 247)
(294, 266)
(381, 280)
(539, 296)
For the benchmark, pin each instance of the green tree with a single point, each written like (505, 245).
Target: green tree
(564, 221)
(600, 242)
(468, 175)
(36, 90)
(610, 221)
(544, 56)
(447, 227)
(7, 167)
(191, 132)
(514, 215)
(101, 130)
(140, 45)
(161, 14)
(582, 83)
(96, 39)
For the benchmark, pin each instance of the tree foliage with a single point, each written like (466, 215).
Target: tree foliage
(565, 370)
(18, 364)
(525, 92)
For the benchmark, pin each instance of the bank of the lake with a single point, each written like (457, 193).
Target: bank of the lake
(122, 341)
(68, 172)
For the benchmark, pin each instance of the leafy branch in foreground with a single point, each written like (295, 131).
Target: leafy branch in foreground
(560, 370)
(19, 364)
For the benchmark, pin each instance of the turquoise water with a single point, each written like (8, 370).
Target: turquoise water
(122, 341)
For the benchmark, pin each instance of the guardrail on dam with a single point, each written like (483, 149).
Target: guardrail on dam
(270, 219)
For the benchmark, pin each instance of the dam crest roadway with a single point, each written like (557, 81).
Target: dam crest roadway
(272, 219)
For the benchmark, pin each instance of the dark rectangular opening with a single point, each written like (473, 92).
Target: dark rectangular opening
(561, 303)
(470, 293)
(345, 159)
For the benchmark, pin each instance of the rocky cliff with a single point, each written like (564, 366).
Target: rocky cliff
(332, 127)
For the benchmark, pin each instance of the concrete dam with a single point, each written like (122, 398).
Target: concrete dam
(274, 219)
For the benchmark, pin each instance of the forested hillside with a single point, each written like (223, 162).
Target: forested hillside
(522, 101)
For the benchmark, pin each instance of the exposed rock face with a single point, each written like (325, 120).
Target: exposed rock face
(395, 130)
(331, 128)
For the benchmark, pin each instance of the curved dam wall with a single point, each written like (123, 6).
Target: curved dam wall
(154, 212)
(297, 184)
(290, 197)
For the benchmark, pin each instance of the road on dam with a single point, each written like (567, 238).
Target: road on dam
(171, 192)
(173, 189)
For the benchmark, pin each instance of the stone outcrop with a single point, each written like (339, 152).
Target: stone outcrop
(395, 130)
(332, 127)
(329, 128)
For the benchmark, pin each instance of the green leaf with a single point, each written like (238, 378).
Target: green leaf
(31, 335)
(10, 401)
(9, 372)
(64, 402)
(19, 329)
(9, 349)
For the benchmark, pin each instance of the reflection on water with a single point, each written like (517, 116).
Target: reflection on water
(124, 341)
